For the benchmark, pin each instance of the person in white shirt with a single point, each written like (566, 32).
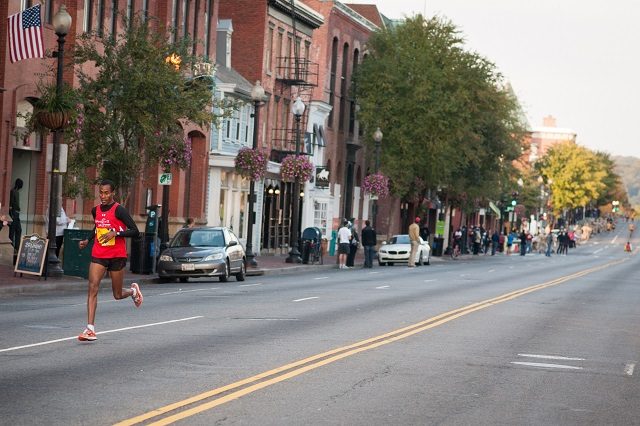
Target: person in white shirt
(62, 221)
(344, 244)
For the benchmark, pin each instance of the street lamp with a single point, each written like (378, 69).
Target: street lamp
(257, 96)
(377, 138)
(294, 255)
(61, 25)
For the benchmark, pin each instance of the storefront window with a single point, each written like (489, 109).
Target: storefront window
(320, 217)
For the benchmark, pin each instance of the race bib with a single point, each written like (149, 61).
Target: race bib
(100, 232)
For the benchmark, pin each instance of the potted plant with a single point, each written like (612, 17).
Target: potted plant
(54, 110)
(296, 168)
(251, 163)
(377, 185)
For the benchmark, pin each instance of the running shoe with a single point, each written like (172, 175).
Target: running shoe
(137, 300)
(87, 336)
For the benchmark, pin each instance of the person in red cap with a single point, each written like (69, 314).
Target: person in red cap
(414, 237)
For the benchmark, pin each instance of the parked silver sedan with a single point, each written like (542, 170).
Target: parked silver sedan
(203, 252)
(398, 250)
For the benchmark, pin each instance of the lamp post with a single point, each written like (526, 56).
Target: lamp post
(257, 95)
(377, 138)
(294, 255)
(61, 25)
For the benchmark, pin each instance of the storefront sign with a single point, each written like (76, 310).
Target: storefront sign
(322, 177)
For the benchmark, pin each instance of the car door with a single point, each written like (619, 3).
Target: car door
(235, 251)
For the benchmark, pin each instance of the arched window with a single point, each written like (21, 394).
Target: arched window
(22, 139)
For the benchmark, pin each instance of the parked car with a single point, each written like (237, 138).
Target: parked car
(203, 252)
(398, 250)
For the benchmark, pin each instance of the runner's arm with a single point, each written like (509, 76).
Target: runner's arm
(132, 229)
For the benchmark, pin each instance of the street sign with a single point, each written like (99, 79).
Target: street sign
(165, 179)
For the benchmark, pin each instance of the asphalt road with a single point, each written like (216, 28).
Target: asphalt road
(504, 340)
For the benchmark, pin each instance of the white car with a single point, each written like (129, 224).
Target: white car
(398, 250)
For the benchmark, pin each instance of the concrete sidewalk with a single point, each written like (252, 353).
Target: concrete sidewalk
(12, 283)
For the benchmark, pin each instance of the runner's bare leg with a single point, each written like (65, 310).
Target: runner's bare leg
(96, 272)
(117, 281)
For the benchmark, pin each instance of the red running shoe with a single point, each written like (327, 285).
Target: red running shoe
(137, 300)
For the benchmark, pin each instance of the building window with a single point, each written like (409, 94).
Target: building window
(145, 10)
(279, 50)
(130, 9)
(332, 83)
(87, 20)
(320, 217)
(100, 25)
(207, 28)
(185, 17)
(267, 57)
(343, 87)
(48, 11)
(114, 18)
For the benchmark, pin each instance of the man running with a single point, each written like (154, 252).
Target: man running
(112, 224)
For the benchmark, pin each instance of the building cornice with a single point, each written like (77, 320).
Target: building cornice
(302, 12)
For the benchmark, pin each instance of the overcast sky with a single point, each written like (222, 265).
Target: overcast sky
(578, 60)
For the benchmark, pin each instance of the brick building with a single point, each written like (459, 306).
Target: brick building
(26, 158)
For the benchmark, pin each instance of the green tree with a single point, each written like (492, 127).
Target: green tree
(449, 121)
(578, 175)
(134, 105)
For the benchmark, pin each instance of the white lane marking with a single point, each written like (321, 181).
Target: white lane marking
(48, 342)
(598, 251)
(628, 369)
(491, 270)
(182, 291)
(306, 298)
(250, 285)
(544, 365)
(429, 281)
(382, 286)
(614, 239)
(321, 278)
(373, 272)
(564, 358)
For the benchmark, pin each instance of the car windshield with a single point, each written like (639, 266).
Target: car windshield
(198, 238)
(400, 239)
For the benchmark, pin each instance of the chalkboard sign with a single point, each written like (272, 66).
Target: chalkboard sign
(32, 255)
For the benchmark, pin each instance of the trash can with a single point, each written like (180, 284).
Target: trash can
(75, 262)
(438, 244)
(143, 251)
(305, 251)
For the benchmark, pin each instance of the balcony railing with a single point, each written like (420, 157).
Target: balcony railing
(295, 71)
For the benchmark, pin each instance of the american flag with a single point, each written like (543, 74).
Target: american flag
(25, 35)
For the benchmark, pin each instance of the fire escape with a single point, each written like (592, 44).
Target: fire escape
(296, 76)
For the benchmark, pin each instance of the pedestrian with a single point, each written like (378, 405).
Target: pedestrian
(15, 229)
(344, 246)
(62, 221)
(523, 242)
(549, 244)
(510, 237)
(189, 223)
(112, 224)
(369, 241)
(477, 240)
(353, 245)
(495, 240)
(414, 237)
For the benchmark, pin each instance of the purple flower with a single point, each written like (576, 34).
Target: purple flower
(251, 163)
(296, 167)
(376, 184)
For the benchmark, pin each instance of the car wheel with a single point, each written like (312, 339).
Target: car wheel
(240, 275)
(225, 277)
(429, 259)
(184, 279)
(420, 261)
(163, 280)
(381, 263)
(390, 263)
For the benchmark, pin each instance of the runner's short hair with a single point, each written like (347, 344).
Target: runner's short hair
(109, 182)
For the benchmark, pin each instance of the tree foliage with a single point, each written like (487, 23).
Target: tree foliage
(579, 176)
(448, 118)
(134, 104)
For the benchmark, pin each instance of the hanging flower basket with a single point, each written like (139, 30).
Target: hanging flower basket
(296, 168)
(377, 185)
(251, 163)
(54, 120)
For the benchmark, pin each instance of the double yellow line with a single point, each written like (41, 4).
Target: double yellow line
(215, 397)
